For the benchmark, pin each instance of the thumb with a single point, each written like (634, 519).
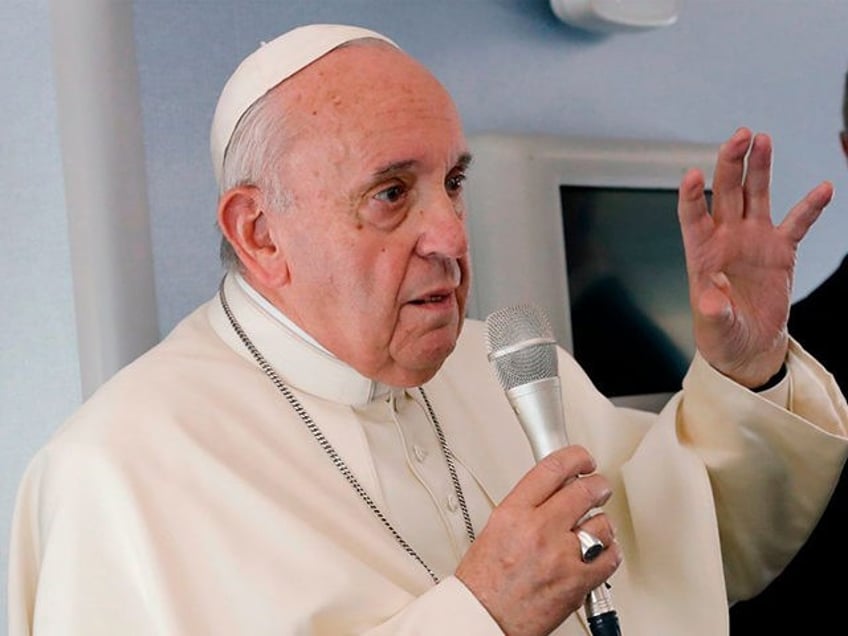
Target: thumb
(714, 304)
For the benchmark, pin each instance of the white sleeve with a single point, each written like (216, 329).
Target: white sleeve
(448, 608)
(787, 460)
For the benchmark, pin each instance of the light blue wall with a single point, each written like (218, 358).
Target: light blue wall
(775, 65)
(39, 373)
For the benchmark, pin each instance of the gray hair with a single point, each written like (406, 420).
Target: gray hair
(253, 157)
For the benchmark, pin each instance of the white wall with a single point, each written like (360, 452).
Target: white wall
(776, 65)
(99, 113)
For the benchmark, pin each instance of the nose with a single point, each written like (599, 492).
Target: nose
(443, 232)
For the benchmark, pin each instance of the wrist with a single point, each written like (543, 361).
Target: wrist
(773, 381)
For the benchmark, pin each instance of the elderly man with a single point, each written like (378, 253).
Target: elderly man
(317, 450)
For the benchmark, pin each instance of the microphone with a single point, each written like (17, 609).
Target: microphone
(522, 350)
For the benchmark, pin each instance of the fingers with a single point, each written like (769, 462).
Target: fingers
(526, 566)
(728, 196)
(738, 190)
(599, 526)
(562, 490)
(549, 475)
(576, 506)
(564, 494)
(742, 180)
(580, 496)
(758, 178)
(691, 203)
(804, 214)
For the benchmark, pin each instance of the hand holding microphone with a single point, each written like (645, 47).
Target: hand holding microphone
(522, 350)
(525, 567)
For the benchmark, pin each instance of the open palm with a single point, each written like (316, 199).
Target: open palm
(740, 264)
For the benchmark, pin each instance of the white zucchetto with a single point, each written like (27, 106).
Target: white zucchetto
(272, 63)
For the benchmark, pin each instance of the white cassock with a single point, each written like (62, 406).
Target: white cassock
(187, 497)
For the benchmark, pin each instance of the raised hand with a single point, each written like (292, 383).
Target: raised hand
(526, 568)
(740, 264)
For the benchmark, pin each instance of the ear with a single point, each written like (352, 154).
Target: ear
(247, 225)
(843, 137)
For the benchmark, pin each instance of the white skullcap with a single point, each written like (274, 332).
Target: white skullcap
(269, 65)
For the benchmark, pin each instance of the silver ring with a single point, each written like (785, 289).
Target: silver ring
(590, 546)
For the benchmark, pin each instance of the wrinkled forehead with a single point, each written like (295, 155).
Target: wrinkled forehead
(272, 63)
(374, 102)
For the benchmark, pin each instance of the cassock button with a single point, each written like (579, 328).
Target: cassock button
(453, 503)
(419, 452)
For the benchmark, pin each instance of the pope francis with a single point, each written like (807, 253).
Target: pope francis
(322, 448)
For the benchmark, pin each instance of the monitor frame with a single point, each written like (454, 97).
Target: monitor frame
(515, 214)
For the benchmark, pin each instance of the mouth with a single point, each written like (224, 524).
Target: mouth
(430, 299)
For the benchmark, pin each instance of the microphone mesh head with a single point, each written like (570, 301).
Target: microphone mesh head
(521, 345)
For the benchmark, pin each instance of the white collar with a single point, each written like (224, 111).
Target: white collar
(296, 356)
(266, 305)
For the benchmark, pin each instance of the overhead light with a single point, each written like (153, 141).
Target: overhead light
(605, 16)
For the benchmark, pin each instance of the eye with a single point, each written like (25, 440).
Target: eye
(387, 203)
(392, 194)
(454, 182)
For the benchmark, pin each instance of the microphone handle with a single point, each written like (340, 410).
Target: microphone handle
(538, 406)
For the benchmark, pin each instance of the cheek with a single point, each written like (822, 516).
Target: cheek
(465, 285)
(372, 286)
(390, 266)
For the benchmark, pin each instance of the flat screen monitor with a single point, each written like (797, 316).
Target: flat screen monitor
(587, 229)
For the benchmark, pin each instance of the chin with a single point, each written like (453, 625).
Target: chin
(430, 362)
(415, 368)
(418, 358)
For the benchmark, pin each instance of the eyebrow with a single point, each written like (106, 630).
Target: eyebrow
(397, 166)
(464, 160)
